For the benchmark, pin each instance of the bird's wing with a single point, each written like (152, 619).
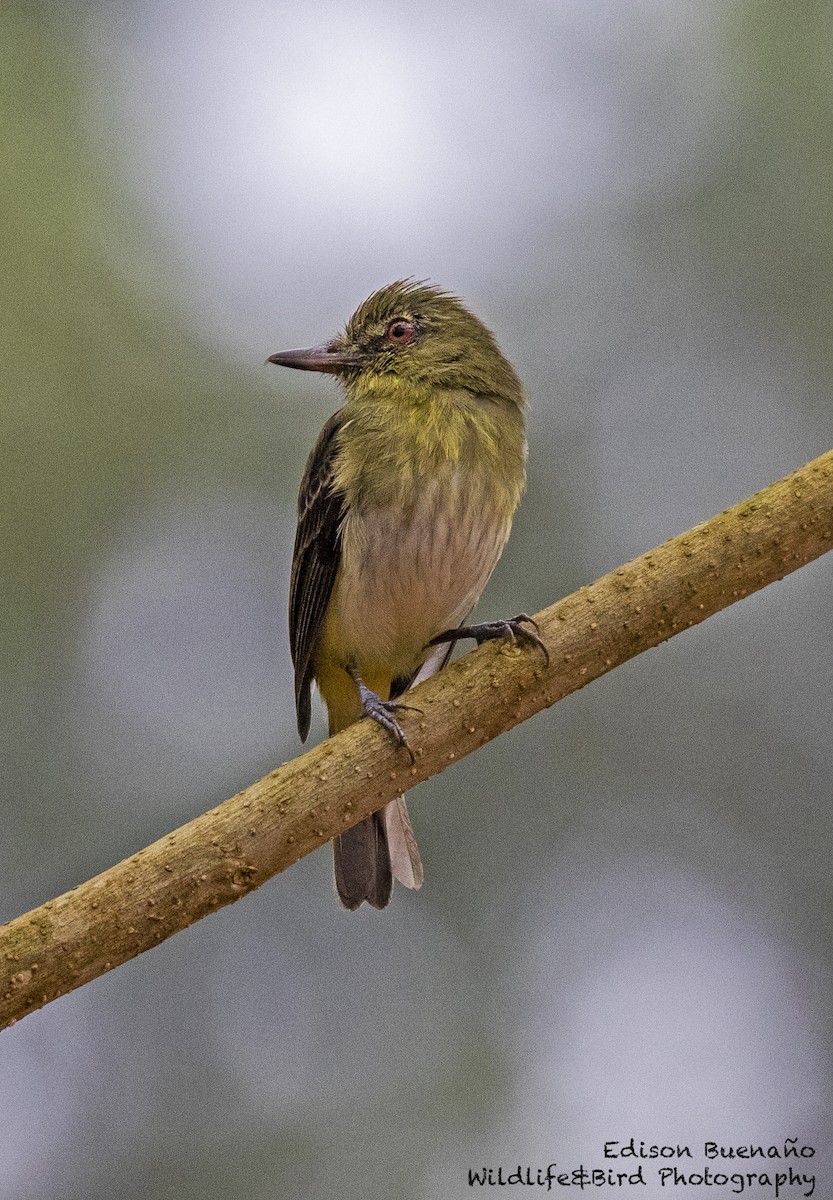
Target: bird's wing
(315, 562)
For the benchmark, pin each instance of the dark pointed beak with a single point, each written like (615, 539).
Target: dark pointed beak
(331, 359)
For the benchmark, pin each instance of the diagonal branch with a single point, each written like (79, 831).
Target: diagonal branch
(227, 852)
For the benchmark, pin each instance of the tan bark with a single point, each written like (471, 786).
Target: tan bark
(225, 853)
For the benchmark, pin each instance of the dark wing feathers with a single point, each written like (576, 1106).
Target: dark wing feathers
(315, 562)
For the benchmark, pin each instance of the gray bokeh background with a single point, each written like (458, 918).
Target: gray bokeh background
(625, 927)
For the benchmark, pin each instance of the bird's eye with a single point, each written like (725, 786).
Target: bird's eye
(400, 331)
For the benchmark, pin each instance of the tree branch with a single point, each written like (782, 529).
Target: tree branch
(227, 852)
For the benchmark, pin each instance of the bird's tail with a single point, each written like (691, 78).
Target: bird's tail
(382, 847)
(368, 857)
(362, 864)
(405, 862)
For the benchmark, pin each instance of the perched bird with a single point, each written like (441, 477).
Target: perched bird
(405, 506)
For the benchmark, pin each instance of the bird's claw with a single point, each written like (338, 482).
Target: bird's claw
(513, 630)
(382, 712)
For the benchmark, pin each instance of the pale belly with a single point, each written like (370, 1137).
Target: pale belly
(408, 575)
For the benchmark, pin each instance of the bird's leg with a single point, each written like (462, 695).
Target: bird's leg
(382, 711)
(513, 630)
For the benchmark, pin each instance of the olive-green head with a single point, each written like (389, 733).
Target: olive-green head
(414, 333)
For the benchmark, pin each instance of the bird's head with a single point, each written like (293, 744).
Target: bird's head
(414, 334)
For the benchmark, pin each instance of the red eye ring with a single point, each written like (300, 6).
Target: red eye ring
(400, 331)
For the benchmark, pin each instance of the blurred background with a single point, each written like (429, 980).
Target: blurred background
(625, 929)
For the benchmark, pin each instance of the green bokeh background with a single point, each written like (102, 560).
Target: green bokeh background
(625, 927)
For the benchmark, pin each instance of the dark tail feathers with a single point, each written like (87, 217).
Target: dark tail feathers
(362, 864)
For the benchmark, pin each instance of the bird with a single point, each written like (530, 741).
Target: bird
(404, 508)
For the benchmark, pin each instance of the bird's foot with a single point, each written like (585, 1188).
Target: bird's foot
(382, 711)
(515, 630)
